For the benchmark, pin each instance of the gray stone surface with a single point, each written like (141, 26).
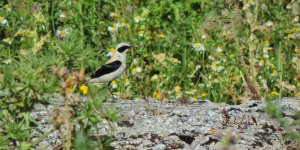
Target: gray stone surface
(193, 125)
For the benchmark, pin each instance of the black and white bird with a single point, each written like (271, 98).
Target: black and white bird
(113, 68)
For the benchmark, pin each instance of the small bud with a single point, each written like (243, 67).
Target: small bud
(55, 70)
(63, 72)
(56, 118)
(69, 82)
(81, 76)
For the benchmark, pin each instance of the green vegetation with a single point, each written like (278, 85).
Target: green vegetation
(226, 51)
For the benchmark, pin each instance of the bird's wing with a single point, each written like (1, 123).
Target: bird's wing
(107, 68)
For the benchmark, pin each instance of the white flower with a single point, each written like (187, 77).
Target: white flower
(219, 49)
(189, 92)
(138, 69)
(265, 49)
(294, 59)
(113, 14)
(114, 84)
(138, 18)
(61, 33)
(289, 6)
(199, 47)
(3, 21)
(118, 24)
(203, 36)
(126, 82)
(113, 28)
(261, 62)
(135, 61)
(7, 61)
(124, 24)
(7, 7)
(7, 40)
(296, 19)
(111, 52)
(216, 67)
(220, 68)
(210, 57)
(266, 56)
(141, 33)
(62, 15)
(154, 77)
(216, 81)
(208, 84)
(260, 77)
(269, 23)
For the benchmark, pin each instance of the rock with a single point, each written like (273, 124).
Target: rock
(194, 125)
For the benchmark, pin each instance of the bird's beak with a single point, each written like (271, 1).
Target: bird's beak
(132, 52)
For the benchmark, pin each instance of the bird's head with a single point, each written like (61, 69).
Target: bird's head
(123, 47)
(121, 50)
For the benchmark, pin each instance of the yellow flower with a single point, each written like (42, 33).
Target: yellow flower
(194, 98)
(84, 89)
(117, 93)
(114, 84)
(178, 94)
(199, 47)
(111, 51)
(126, 81)
(266, 43)
(261, 62)
(274, 73)
(157, 95)
(123, 24)
(69, 90)
(203, 94)
(174, 60)
(154, 77)
(7, 6)
(210, 75)
(114, 27)
(3, 20)
(272, 65)
(161, 36)
(141, 33)
(138, 18)
(214, 66)
(274, 93)
(290, 36)
(133, 70)
(269, 23)
(177, 88)
(189, 92)
(7, 40)
(201, 85)
(61, 33)
(296, 19)
(113, 14)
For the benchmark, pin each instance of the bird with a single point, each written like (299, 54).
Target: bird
(113, 68)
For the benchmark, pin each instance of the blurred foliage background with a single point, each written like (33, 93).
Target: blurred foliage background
(225, 51)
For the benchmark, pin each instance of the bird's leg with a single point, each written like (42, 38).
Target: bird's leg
(114, 100)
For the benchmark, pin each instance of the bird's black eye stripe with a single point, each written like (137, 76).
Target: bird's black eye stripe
(123, 48)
